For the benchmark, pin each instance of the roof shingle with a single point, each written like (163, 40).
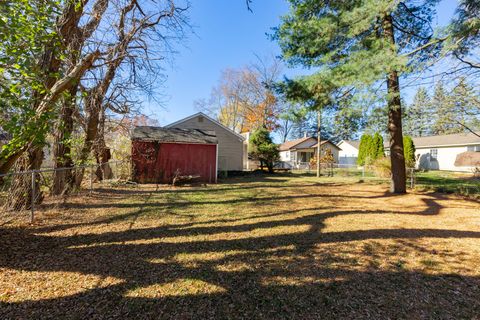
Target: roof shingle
(174, 135)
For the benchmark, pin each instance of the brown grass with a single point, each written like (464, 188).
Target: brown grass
(280, 247)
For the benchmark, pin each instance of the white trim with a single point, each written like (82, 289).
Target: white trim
(345, 141)
(208, 118)
(216, 167)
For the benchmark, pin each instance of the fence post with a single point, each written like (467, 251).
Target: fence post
(412, 172)
(363, 171)
(32, 204)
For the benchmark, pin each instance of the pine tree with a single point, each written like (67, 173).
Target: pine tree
(445, 117)
(360, 43)
(263, 149)
(466, 106)
(418, 115)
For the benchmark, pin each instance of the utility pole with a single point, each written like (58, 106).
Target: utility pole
(319, 139)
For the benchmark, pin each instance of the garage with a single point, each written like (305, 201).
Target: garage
(161, 154)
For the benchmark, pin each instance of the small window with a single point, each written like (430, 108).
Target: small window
(200, 119)
(433, 153)
(474, 148)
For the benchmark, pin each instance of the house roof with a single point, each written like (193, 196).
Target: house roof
(447, 140)
(171, 125)
(353, 143)
(291, 144)
(468, 159)
(174, 135)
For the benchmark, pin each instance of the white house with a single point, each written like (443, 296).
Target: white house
(348, 153)
(298, 152)
(440, 152)
(432, 153)
(230, 144)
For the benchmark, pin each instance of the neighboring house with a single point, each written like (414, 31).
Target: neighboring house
(348, 153)
(441, 152)
(161, 154)
(297, 153)
(230, 144)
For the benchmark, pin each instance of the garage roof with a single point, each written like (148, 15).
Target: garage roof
(174, 135)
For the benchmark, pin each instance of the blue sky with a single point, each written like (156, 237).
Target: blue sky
(227, 36)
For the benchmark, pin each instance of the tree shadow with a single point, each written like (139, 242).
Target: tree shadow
(271, 276)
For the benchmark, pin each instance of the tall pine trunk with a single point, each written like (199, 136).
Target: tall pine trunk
(397, 157)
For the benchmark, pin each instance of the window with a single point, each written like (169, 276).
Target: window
(433, 153)
(474, 148)
(200, 119)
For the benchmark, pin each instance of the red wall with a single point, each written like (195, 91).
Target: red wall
(155, 162)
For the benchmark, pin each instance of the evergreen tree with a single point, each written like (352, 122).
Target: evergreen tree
(378, 148)
(466, 107)
(409, 150)
(263, 149)
(444, 113)
(364, 150)
(418, 116)
(360, 43)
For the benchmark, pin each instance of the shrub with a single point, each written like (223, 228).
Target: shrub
(409, 151)
(382, 167)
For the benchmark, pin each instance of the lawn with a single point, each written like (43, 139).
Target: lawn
(276, 247)
(449, 182)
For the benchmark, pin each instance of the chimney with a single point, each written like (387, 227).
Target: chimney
(305, 134)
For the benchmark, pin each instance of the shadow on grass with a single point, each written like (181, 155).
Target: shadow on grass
(277, 276)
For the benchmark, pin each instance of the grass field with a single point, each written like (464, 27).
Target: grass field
(275, 247)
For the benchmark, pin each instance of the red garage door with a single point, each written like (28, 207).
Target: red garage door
(155, 162)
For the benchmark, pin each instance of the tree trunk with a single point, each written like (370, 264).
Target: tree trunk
(21, 189)
(397, 157)
(62, 179)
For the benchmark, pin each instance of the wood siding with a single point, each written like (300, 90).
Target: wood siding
(156, 162)
(230, 146)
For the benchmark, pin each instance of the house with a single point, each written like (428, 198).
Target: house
(348, 153)
(160, 154)
(230, 144)
(297, 153)
(441, 152)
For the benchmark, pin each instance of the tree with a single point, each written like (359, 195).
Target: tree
(378, 150)
(244, 98)
(443, 123)
(419, 115)
(263, 149)
(364, 150)
(465, 33)
(409, 150)
(360, 43)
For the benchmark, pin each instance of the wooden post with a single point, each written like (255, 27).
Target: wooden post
(319, 139)
(32, 204)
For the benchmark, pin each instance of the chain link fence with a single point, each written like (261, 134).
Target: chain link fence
(351, 170)
(24, 193)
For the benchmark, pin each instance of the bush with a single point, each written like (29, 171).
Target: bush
(382, 167)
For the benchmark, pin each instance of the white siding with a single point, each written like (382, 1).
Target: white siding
(230, 146)
(348, 154)
(445, 158)
(284, 155)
